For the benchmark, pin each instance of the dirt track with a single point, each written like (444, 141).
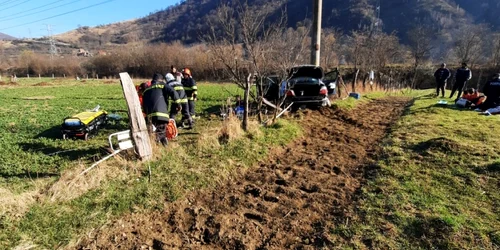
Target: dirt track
(292, 200)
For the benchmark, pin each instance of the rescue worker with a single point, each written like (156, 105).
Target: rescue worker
(441, 75)
(155, 99)
(187, 122)
(492, 92)
(191, 90)
(462, 75)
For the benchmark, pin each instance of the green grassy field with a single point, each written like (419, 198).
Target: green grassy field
(31, 116)
(46, 203)
(435, 185)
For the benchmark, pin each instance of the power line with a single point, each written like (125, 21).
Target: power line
(7, 2)
(16, 5)
(65, 13)
(30, 14)
(24, 11)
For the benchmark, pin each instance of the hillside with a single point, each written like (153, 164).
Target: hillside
(6, 37)
(187, 21)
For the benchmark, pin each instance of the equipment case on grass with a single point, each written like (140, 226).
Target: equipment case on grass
(83, 125)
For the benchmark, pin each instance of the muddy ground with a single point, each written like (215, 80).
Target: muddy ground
(291, 200)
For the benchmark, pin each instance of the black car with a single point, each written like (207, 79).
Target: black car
(305, 87)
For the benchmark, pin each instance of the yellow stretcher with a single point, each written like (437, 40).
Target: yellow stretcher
(83, 125)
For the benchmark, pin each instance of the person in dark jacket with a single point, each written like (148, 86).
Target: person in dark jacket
(492, 92)
(155, 102)
(187, 121)
(441, 75)
(462, 75)
(191, 90)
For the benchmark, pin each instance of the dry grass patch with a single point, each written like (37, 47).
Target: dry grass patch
(15, 205)
(38, 98)
(73, 184)
(230, 130)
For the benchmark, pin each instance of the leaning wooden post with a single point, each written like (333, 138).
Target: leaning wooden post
(139, 130)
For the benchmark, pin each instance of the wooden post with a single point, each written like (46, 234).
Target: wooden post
(248, 86)
(39, 77)
(138, 128)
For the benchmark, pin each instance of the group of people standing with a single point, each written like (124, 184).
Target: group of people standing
(462, 75)
(178, 87)
(488, 101)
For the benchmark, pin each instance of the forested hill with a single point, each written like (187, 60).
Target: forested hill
(187, 21)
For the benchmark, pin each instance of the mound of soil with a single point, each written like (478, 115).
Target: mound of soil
(41, 84)
(292, 200)
(9, 83)
(440, 144)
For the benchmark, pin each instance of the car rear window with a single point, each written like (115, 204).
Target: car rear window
(303, 80)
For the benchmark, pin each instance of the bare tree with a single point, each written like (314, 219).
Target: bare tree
(357, 52)
(496, 51)
(469, 44)
(330, 47)
(382, 49)
(420, 43)
(246, 44)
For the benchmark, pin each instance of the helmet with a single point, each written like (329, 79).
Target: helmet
(186, 71)
(169, 77)
(157, 77)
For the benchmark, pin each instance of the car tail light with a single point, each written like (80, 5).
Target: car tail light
(290, 93)
(323, 91)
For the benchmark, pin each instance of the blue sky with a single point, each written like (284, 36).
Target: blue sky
(23, 18)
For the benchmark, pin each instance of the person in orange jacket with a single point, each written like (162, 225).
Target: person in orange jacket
(473, 96)
(140, 90)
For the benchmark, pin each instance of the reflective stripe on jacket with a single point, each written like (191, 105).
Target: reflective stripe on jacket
(155, 100)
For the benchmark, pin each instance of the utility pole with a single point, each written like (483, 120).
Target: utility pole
(316, 34)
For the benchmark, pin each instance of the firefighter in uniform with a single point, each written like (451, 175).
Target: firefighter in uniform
(155, 99)
(187, 122)
(191, 90)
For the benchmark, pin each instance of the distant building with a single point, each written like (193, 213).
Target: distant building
(84, 53)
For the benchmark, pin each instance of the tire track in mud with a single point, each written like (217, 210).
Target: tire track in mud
(292, 200)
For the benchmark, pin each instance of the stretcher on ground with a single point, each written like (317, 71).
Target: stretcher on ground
(83, 125)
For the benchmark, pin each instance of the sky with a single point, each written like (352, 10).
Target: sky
(29, 18)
